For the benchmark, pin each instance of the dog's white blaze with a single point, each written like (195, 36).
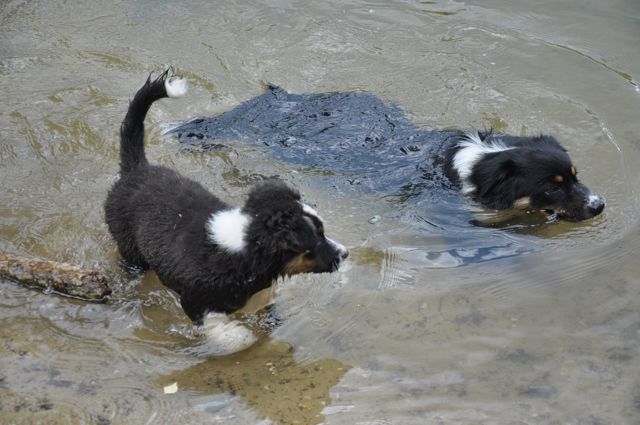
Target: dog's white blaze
(228, 229)
(176, 86)
(228, 336)
(310, 211)
(471, 150)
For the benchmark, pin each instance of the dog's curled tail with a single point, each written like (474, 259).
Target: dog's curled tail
(132, 128)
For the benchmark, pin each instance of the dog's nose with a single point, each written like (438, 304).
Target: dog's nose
(595, 210)
(595, 204)
(344, 254)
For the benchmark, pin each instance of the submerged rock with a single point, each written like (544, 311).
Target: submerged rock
(360, 139)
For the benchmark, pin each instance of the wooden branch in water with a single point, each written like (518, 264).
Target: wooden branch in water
(64, 278)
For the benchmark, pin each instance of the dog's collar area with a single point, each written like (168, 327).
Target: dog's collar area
(228, 229)
(470, 150)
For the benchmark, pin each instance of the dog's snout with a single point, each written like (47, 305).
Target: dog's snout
(597, 209)
(342, 251)
(595, 204)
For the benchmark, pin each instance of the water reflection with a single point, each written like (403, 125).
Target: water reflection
(268, 378)
(547, 337)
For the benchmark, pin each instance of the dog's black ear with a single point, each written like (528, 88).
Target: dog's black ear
(283, 230)
(271, 195)
(508, 168)
(497, 170)
(276, 214)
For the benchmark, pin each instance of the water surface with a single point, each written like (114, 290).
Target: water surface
(541, 328)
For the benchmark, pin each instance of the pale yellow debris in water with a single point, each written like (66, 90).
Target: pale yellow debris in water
(171, 389)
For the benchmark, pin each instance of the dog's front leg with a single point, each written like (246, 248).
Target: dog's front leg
(227, 335)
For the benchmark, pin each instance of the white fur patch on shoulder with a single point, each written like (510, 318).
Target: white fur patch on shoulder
(176, 86)
(228, 229)
(471, 150)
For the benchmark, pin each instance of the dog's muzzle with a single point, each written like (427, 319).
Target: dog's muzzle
(595, 204)
(341, 253)
(584, 204)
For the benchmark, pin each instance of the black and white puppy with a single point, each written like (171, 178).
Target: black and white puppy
(528, 173)
(214, 256)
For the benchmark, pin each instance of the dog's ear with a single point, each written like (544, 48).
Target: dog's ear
(497, 170)
(271, 195)
(507, 169)
(283, 229)
(276, 214)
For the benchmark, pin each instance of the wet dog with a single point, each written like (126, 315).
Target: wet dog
(369, 144)
(527, 173)
(214, 256)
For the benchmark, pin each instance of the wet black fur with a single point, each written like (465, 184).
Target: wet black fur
(530, 169)
(157, 218)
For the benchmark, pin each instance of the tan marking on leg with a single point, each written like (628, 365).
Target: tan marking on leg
(259, 300)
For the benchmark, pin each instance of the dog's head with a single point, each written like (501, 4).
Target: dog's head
(528, 173)
(290, 232)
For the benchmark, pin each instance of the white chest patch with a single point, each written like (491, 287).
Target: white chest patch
(228, 229)
(471, 150)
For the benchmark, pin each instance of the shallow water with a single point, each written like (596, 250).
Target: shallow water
(542, 327)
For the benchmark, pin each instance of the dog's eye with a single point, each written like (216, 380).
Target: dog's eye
(308, 253)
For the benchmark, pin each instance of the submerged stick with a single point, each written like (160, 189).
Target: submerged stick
(64, 278)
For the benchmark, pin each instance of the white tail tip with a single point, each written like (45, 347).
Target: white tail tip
(176, 86)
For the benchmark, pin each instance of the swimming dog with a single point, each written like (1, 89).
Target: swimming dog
(214, 256)
(526, 173)
(373, 145)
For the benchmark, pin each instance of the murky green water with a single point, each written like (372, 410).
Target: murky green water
(405, 334)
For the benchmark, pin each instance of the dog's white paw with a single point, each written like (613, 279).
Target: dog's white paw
(176, 86)
(227, 336)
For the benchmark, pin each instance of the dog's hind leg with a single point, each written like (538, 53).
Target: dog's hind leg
(119, 223)
(133, 260)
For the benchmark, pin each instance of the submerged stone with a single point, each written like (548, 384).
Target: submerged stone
(360, 139)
